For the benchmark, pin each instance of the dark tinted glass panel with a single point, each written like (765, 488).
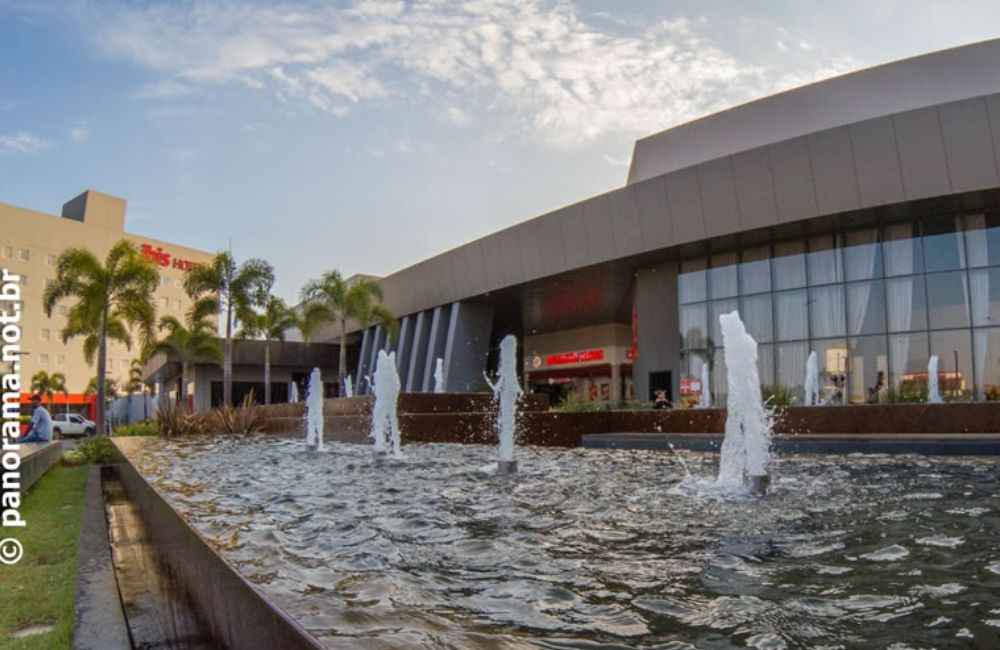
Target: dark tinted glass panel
(693, 325)
(791, 316)
(824, 260)
(944, 248)
(901, 250)
(947, 300)
(868, 371)
(863, 255)
(722, 281)
(865, 308)
(692, 284)
(789, 264)
(906, 303)
(755, 271)
(756, 314)
(826, 311)
(954, 351)
(908, 360)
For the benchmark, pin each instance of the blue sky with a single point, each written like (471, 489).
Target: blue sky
(368, 135)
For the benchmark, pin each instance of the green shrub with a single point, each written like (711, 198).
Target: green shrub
(245, 418)
(178, 420)
(135, 429)
(906, 393)
(93, 451)
(777, 395)
(575, 403)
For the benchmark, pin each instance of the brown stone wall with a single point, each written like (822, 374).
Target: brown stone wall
(470, 419)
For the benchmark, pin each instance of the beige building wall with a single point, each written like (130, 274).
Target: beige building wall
(30, 244)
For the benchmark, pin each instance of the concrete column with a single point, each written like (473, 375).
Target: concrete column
(402, 348)
(467, 346)
(616, 377)
(658, 335)
(436, 344)
(414, 378)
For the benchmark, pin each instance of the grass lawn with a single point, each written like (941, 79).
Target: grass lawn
(39, 589)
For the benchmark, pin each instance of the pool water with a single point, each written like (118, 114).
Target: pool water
(597, 548)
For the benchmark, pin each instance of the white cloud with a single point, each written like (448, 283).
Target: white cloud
(79, 132)
(617, 161)
(167, 89)
(558, 75)
(23, 142)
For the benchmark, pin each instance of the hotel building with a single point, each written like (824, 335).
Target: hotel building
(30, 244)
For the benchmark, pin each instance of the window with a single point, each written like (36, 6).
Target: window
(123, 364)
(715, 309)
(789, 265)
(868, 370)
(902, 251)
(791, 367)
(63, 310)
(906, 304)
(826, 311)
(954, 352)
(865, 308)
(986, 360)
(756, 314)
(944, 247)
(947, 300)
(45, 334)
(25, 255)
(693, 326)
(24, 279)
(692, 282)
(8, 251)
(755, 270)
(722, 282)
(177, 304)
(48, 282)
(43, 359)
(51, 259)
(166, 302)
(908, 359)
(863, 256)
(61, 359)
(825, 263)
(791, 315)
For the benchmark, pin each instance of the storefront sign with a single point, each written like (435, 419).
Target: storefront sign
(690, 386)
(583, 356)
(165, 259)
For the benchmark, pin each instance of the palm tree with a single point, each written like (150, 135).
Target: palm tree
(42, 383)
(232, 290)
(270, 325)
(331, 299)
(190, 342)
(110, 387)
(136, 385)
(112, 298)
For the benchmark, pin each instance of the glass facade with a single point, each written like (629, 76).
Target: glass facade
(873, 303)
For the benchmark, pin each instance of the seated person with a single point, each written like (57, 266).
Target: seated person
(661, 402)
(40, 427)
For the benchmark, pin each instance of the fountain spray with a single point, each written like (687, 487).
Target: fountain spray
(385, 423)
(348, 387)
(812, 380)
(507, 391)
(705, 401)
(293, 393)
(746, 446)
(933, 393)
(439, 376)
(314, 412)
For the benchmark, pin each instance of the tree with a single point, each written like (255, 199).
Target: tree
(233, 290)
(190, 342)
(137, 385)
(331, 299)
(42, 383)
(270, 325)
(113, 298)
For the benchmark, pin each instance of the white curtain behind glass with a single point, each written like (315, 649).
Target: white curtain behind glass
(899, 295)
(858, 294)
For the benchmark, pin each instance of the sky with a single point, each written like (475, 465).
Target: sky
(367, 135)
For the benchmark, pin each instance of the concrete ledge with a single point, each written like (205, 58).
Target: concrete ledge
(237, 613)
(36, 459)
(954, 444)
(98, 620)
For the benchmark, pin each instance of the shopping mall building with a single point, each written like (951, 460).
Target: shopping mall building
(30, 244)
(858, 217)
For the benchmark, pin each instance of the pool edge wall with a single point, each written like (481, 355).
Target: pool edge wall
(238, 614)
(35, 464)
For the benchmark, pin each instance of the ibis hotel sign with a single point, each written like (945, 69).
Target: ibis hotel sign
(163, 258)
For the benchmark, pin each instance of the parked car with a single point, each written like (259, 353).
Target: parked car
(71, 424)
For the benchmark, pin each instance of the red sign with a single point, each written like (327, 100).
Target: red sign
(583, 356)
(690, 386)
(163, 258)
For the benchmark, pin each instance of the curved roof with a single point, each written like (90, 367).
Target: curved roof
(920, 128)
(907, 84)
